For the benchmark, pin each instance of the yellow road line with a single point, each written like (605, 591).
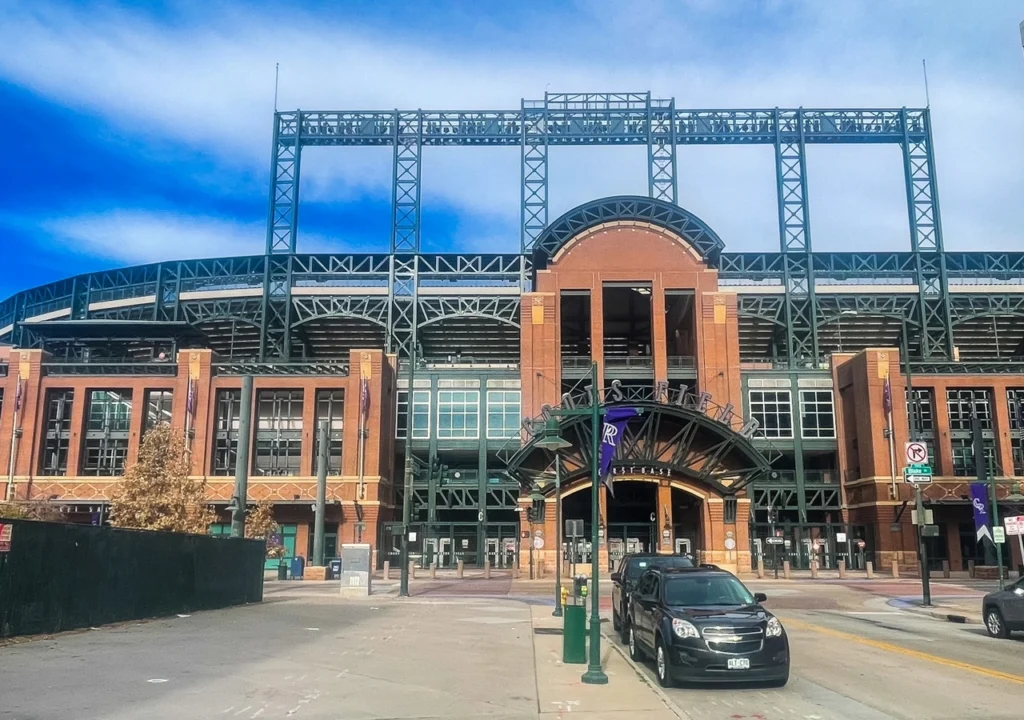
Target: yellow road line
(1019, 679)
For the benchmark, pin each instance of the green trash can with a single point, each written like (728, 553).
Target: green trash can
(574, 632)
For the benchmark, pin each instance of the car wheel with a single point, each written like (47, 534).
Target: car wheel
(661, 665)
(994, 623)
(634, 650)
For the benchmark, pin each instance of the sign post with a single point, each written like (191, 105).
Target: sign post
(1015, 526)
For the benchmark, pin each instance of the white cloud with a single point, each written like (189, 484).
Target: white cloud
(143, 237)
(210, 85)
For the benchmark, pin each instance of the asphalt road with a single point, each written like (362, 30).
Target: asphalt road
(467, 651)
(854, 657)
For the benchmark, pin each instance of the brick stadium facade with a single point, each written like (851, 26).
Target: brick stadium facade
(755, 419)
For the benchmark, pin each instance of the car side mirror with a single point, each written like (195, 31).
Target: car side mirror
(616, 577)
(760, 597)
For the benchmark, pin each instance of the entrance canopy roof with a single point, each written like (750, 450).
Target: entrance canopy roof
(665, 440)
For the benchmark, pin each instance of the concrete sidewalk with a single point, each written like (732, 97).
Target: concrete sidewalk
(560, 693)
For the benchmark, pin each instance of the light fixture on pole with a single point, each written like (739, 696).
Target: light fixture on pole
(553, 441)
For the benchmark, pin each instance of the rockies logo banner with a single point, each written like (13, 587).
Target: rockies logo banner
(979, 497)
(611, 435)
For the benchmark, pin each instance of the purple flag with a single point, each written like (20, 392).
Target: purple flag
(979, 499)
(18, 395)
(887, 396)
(611, 435)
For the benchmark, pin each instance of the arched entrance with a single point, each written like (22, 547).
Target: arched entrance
(679, 479)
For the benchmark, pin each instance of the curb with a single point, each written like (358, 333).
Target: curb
(662, 695)
(936, 613)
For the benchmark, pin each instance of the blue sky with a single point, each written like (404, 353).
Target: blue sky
(136, 134)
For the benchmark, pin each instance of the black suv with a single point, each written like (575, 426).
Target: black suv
(624, 580)
(703, 624)
(1004, 610)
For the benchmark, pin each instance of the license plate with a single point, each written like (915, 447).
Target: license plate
(738, 663)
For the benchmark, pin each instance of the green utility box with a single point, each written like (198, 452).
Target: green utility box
(574, 631)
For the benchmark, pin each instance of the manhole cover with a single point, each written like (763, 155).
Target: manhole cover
(547, 631)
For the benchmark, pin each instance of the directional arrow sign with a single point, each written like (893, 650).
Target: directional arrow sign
(916, 453)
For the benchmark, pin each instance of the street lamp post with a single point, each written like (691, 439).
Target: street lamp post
(403, 586)
(553, 442)
(558, 537)
(594, 675)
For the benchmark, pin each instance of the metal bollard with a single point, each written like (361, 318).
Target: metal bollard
(387, 569)
(412, 570)
(460, 569)
(945, 568)
(760, 567)
(515, 571)
(842, 569)
(869, 569)
(487, 569)
(785, 569)
(540, 569)
(433, 571)
(970, 568)
(895, 568)
(814, 569)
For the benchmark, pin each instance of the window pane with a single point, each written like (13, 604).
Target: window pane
(773, 411)
(963, 403)
(817, 415)
(330, 408)
(503, 413)
(458, 414)
(158, 407)
(278, 446)
(54, 460)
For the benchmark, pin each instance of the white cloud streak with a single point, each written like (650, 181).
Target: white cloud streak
(143, 237)
(210, 86)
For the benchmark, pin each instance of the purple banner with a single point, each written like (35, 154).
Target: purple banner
(979, 499)
(611, 435)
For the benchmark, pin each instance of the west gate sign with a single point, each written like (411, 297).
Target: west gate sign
(659, 393)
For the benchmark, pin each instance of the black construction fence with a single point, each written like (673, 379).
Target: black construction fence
(56, 577)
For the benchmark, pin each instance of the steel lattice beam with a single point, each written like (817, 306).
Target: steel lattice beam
(661, 150)
(926, 240)
(534, 196)
(795, 235)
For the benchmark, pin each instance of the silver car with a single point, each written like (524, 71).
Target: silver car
(1003, 610)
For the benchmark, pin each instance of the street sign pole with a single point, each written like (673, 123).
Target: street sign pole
(926, 583)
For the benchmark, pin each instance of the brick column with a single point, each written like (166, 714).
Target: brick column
(659, 341)
(79, 403)
(540, 356)
(718, 354)
(597, 330)
(26, 367)
(197, 365)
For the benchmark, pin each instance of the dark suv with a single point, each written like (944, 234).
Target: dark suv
(703, 624)
(1004, 610)
(624, 580)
